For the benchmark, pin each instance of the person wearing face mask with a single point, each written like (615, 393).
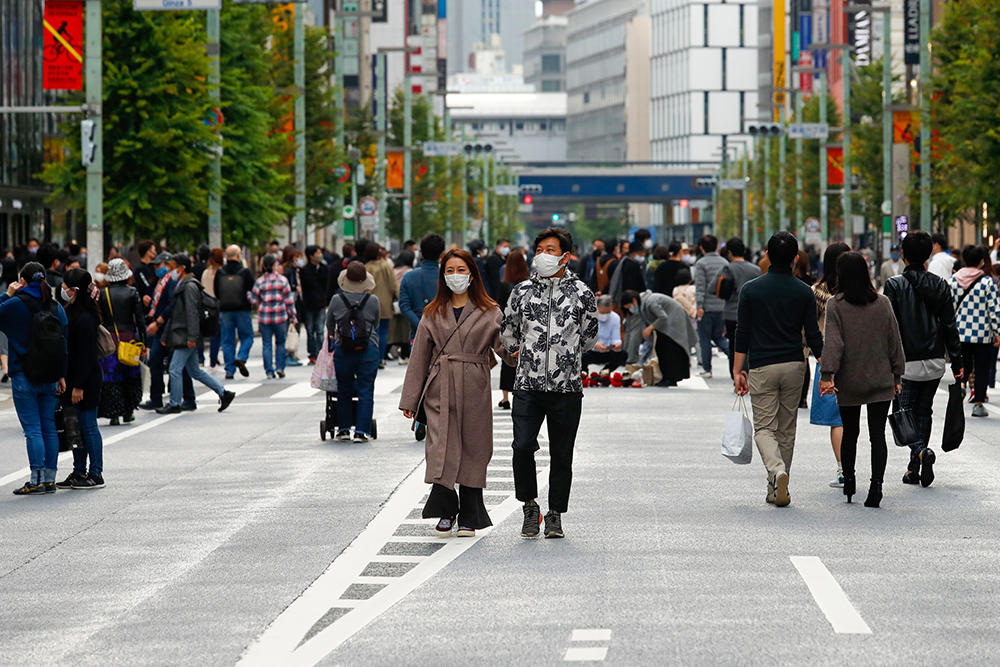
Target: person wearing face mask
(630, 272)
(607, 350)
(891, 267)
(158, 357)
(449, 375)
(494, 267)
(121, 311)
(387, 291)
(147, 275)
(671, 329)
(548, 386)
(977, 315)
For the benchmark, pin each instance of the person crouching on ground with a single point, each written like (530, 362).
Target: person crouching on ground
(449, 373)
(675, 335)
(608, 348)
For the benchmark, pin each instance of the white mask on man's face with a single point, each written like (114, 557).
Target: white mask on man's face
(547, 265)
(687, 259)
(504, 251)
(603, 317)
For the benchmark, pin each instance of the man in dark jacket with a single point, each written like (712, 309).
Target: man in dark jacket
(922, 302)
(418, 288)
(773, 312)
(333, 270)
(314, 281)
(183, 336)
(494, 267)
(233, 284)
(588, 264)
(160, 309)
(145, 274)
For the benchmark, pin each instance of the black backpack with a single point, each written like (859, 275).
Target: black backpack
(45, 359)
(352, 329)
(230, 291)
(209, 310)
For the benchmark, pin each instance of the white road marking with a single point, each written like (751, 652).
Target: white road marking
(695, 383)
(830, 597)
(591, 635)
(297, 390)
(594, 654)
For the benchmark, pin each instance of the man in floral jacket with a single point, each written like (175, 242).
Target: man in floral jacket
(551, 320)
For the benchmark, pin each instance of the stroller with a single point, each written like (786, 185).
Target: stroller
(329, 425)
(325, 378)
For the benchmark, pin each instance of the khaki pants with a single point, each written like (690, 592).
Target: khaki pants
(775, 392)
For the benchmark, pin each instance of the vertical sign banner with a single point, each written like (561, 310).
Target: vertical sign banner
(778, 49)
(394, 171)
(911, 32)
(859, 34)
(805, 56)
(835, 165)
(821, 30)
(62, 45)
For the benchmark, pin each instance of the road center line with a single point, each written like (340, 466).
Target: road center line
(830, 597)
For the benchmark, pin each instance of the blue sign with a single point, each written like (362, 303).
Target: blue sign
(615, 188)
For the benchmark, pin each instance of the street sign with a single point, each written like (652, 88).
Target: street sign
(886, 207)
(369, 223)
(506, 190)
(808, 131)
(368, 206)
(732, 184)
(147, 5)
(347, 211)
(62, 46)
(442, 149)
(813, 230)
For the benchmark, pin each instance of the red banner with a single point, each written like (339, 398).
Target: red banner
(834, 165)
(62, 45)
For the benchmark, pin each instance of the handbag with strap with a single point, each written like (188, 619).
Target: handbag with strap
(129, 352)
(421, 414)
(904, 425)
(106, 345)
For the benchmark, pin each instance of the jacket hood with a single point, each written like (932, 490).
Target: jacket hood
(967, 276)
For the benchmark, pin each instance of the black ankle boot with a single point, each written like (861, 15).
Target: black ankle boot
(874, 495)
(850, 485)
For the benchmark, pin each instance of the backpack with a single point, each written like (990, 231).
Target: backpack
(209, 310)
(602, 273)
(724, 287)
(352, 329)
(230, 291)
(45, 359)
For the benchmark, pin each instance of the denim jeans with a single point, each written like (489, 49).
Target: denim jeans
(159, 356)
(356, 373)
(93, 445)
(186, 359)
(232, 323)
(383, 336)
(315, 328)
(273, 360)
(36, 410)
(712, 329)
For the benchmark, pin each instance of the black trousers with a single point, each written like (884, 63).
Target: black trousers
(562, 413)
(851, 416)
(610, 359)
(919, 397)
(977, 356)
(731, 335)
(675, 363)
(508, 374)
(467, 505)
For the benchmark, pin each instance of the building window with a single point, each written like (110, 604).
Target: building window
(551, 86)
(519, 126)
(586, 98)
(543, 126)
(551, 64)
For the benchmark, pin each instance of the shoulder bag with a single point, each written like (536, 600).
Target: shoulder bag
(129, 352)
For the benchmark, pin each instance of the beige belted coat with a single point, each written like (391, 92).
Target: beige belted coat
(457, 399)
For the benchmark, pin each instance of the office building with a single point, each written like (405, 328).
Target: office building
(545, 54)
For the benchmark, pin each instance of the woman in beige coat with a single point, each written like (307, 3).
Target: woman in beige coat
(387, 291)
(450, 368)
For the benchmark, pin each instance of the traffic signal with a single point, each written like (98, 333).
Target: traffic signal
(88, 146)
(478, 148)
(555, 218)
(527, 199)
(765, 130)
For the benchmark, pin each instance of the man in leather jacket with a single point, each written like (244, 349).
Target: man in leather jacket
(923, 305)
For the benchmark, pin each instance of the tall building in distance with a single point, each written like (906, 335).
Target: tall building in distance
(545, 54)
(475, 21)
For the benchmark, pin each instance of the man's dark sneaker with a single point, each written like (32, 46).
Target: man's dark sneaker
(50, 487)
(271, 376)
(229, 377)
(281, 374)
(89, 482)
(927, 459)
(242, 367)
(150, 405)
(532, 518)
(71, 480)
(360, 438)
(169, 410)
(128, 419)
(227, 398)
(553, 525)
(30, 489)
(188, 406)
(292, 361)
(344, 436)
(911, 477)
(443, 527)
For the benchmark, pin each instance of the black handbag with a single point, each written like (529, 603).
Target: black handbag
(954, 418)
(68, 428)
(904, 425)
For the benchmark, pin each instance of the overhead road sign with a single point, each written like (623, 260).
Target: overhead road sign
(596, 185)
(442, 148)
(150, 5)
(808, 131)
(732, 184)
(507, 190)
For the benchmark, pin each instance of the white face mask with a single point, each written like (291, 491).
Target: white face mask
(547, 265)
(300, 262)
(633, 309)
(175, 274)
(688, 259)
(504, 251)
(66, 295)
(458, 283)
(99, 277)
(648, 244)
(603, 317)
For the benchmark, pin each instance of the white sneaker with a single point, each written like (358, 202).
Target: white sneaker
(838, 481)
(403, 362)
(705, 374)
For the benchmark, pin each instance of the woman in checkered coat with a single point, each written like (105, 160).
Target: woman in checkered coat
(977, 314)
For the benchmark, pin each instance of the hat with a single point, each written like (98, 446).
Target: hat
(118, 271)
(895, 247)
(685, 246)
(163, 258)
(355, 287)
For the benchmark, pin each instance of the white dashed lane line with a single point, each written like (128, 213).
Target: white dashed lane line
(830, 597)
(588, 653)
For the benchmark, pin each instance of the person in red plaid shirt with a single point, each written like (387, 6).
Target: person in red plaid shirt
(275, 303)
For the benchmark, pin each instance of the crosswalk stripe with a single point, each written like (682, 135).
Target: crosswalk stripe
(830, 597)
(297, 390)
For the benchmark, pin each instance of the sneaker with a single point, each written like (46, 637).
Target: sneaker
(230, 377)
(227, 398)
(553, 525)
(403, 362)
(242, 367)
(114, 422)
(272, 376)
(50, 487)
(443, 527)
(381, 365)
(30, 489)
(292, 361)
(169, 410)
(465, 532)
(770, 490)
(188, 406)
(781, 497)
(150, 405)
(979, 411)
(312, 361)
(128, 419)
(705, 374)
(343, 436)
(71, 480)
(532, 519)
(927, 460)
(281, 374)
(360, 438)
(89, 482)
(838, 481)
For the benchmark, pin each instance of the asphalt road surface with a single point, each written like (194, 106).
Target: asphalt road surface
(243, 539)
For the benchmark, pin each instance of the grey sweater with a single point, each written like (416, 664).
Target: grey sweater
(338, 309)
(706, 272)
(862, 351)
(740, 273)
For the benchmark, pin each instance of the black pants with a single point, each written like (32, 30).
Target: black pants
(851, 416)
(562, 412)
(159, 359)
(919, 397)
(977, 356)
(675, 363)
(610, 359)
(731, 335)
(467, 505)
(508, 374)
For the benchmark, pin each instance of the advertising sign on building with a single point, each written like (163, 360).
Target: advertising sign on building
(62, 45)
(780, 80)
(911, 32)
(834, 165)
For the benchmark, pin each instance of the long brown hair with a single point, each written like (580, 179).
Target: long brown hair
(477, 291)
(515, 269)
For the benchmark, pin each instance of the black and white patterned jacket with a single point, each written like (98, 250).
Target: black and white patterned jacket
(552, 321)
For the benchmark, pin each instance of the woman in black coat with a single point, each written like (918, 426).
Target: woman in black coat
(83, 378)
(515, 271)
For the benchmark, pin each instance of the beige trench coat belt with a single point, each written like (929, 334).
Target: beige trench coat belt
(444, 373)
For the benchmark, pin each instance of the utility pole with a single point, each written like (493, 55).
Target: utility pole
(746, 197)
(485, 232)
(95, 170)
(214, 84)
(887, 125)
(407, 155)
(798, 164)
(300, 124)
(381, 126)
(449, 226)
(845, 138)
(767, 185)
(782, 151)
(925, 115)
(338, 66)
(463, 191)
(824, 210)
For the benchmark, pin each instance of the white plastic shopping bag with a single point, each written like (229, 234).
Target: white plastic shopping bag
(737, 440)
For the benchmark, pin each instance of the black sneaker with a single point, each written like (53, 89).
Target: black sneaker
(227, 398)
(242, 367)
(128, 419)
(70, 481)
(553, 525)
(89, 482)
(150, 405)
(360, 438)
(169, 410)
(344, 436)
(281, 374)
(532, 518)
(229, 377)
(30, 489)
(189, 406)
(444, 526)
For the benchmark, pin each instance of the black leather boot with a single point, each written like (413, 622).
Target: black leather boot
(874, 495)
